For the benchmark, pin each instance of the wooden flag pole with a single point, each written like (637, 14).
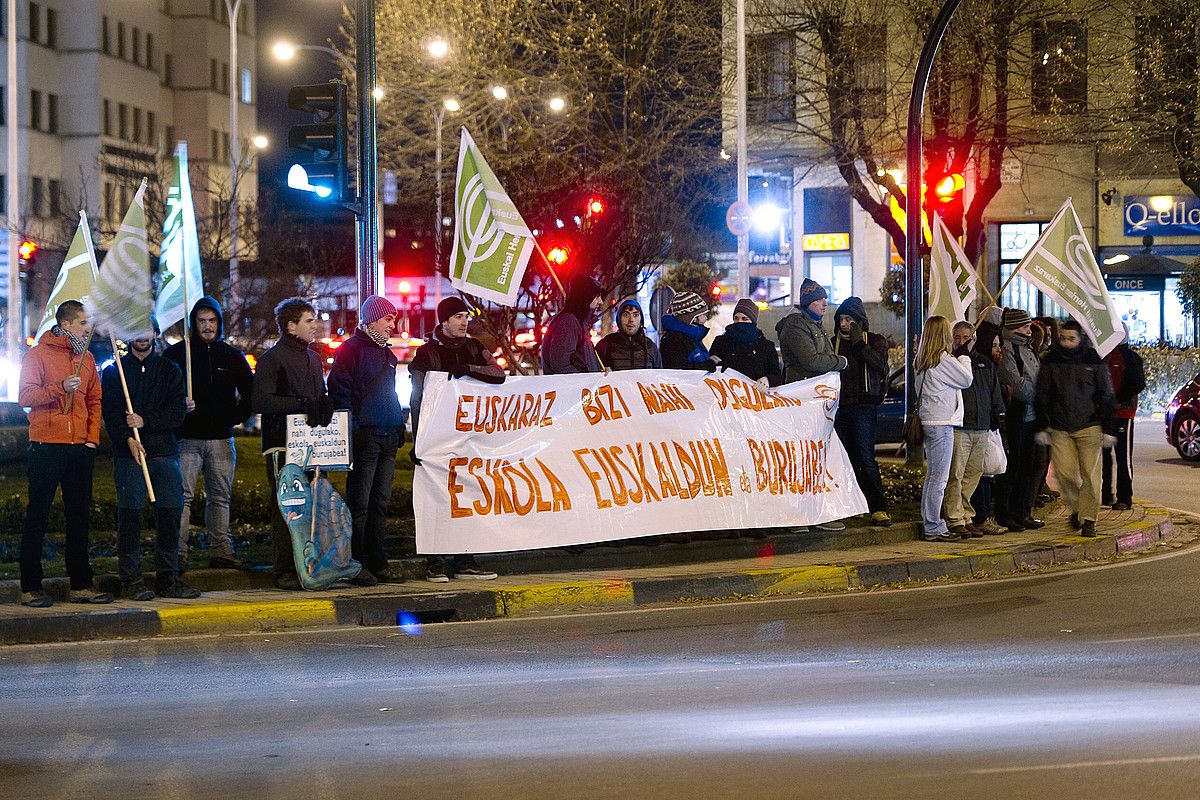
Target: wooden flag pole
(129, 409)
(187, 326)
(996, 299)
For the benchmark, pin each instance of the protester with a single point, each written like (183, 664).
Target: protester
(745, 348)
(567, 346)
(1015, 494)
(941, 377)
(156, 393)
(682, 340)
(452, 350)
(61, 389)
(1128, 380)
(864, 385)
(807, 349)
(288, 380)
(628, 347)
(221, 387)
(363, 381)
(989, 329)
(1075, 417)
(983, 411)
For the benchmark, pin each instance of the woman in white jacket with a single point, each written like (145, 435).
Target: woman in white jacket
(940, 380)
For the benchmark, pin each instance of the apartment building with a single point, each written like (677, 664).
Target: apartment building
(1067, 75)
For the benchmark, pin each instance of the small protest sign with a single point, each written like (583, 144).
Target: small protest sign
(330, 444)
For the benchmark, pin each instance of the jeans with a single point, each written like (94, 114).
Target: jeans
(1076, 458)
(855, 426)
(939, 450)
(1123, 451)
(966, 467)
(131, 499)
(50, 466)
(217, 459)
(981, 500)
(368, 492)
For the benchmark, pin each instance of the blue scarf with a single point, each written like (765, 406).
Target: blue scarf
(743, 332)
(696, 332)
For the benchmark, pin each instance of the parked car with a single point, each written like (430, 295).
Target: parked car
(890, 413)
(1183, 421)
(14, 432)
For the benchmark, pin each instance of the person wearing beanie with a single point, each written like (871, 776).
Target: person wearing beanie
(363, 382)
(746, 349)
(807, 349)
(450, 349)
(1128, 375)
(628, 347)
(222, 384)
(988, 345)
(864, 386)
(682, 340)
(1016, 491)
(159, 402)
(1076, 417)
(567, 345)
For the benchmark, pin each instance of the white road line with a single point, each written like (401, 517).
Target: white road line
(1120, 762)
(1146, 638)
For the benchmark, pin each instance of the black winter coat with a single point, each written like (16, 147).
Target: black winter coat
(983, 402)
(757, 359)
(1074, 391)
(619, 351)
(222, 382)
(363, 380)
(461, 357)
(864, 380)
(157, 393)
(289, 380)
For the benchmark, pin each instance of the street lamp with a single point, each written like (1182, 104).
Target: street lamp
(286, 51)
(438, 48)
(232, 7)
(500, 92)
(260, 142)
(557, 104)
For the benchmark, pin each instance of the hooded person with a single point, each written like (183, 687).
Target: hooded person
(1018, 372)
(222, 385)
(1076, 417)
(1128, 375)
(807, 349)
(745, 348)
(864, 386)
(567, 345)
(628, 347)
(682, 341)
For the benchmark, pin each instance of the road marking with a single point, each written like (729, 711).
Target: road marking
(1145, 638)
(1118, 762)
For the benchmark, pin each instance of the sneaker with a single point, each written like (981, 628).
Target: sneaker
(1033, 524)
(1089, 528)
(880, 519)
(1014, 527)
(289, 581)
(364, 578)
(833, 525)
(973, 531)
(939, 537)
(389, 575)
(469, 570)
(37, 599)
(225, 562)
(1119, 506)
(436, 573)
(90, 595)
(960, 530)
(1108, 501)
(991, 528)
(178, 590)
(138, 590)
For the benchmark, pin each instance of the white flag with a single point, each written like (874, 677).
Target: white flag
(180, 279)
(953, 283)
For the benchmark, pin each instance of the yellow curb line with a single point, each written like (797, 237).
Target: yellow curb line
(515, 600)
(233, 617)
(796, 580)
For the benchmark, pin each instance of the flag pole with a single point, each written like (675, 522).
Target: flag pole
(999, 294)
(129, 409)
(187, 328)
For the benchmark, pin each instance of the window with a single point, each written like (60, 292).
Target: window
(137, 125)
(104, 38)
(167, 69)
(770, 79)
(3, 104)
(169, 136)
(51, 28)
(35, 109)
(1178, 329)
(136, 41)
(35, 22)
(1059, 80)
(52, 113)
(37, 197)
(107, 117)
(151, 128)
(109, 203)
(214, 150)
(1165, 63)
(1017, 239)
(3, 194)
(150, 50)
(225, 146)
(122, 122)
(55, 189)
(834, 271)
(120, 40)
(247, 87)
(224, 78)
(869, 63)
(212, 74)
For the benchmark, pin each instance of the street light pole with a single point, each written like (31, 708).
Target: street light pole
(13, 208)
(743, 191)
(368, 218)
(438, 114)
(233, 7)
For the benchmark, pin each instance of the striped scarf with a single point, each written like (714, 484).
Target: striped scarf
(378, 338)
(77, 345)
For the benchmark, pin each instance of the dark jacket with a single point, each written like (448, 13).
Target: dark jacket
(461, 357)
(682, 346)
(745, 348)
(221, 381)
(983, 402)
(806, 348)
(864, 380)
(158, 397)
(567, 346)
(620, 351)
(289, 380)
(1128, 378)
(1074, 390)
(363, 380)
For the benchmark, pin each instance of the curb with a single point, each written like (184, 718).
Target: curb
(575, 595)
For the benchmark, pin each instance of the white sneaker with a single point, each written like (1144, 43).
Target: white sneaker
(833, 525)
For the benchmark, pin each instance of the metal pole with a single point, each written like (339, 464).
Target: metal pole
(365, 79)
(743, 192)
(13, 208)
(438, 114)
(234, 156)
(914, 299)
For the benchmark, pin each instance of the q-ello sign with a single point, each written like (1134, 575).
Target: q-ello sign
(545, 461)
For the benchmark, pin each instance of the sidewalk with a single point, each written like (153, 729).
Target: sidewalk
(598, 578)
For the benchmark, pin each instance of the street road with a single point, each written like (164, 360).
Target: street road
(1081, 684)
(1159, 474)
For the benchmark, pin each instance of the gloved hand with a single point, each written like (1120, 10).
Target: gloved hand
(1108, 441)
(412, 456)
(763, 382)
(842, 364)
(1042, 438)
(319, 412)
(459, 371)
(855, 334)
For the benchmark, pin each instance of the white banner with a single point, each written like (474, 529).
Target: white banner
(330, 444)
(546, 461)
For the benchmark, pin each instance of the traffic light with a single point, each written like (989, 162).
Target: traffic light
(715, 292)
(595, 206)
(27, 251)
(558, 255)
(948, 188)
(326, 137)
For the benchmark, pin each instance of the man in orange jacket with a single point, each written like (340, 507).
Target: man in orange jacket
(61, 389)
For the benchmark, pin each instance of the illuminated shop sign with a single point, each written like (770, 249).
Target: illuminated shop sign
(1162, 215)
(826, 241)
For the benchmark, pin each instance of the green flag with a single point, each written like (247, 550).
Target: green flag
(1061, 264)
(492, 243)
(122, 300)
(953, 283)
(75, 277)
(180, 279)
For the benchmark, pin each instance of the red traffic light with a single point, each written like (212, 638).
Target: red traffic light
(558, 255)
(595, 207)
(27, 249)
(949, 186)
(715, 291)
(403, 287)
